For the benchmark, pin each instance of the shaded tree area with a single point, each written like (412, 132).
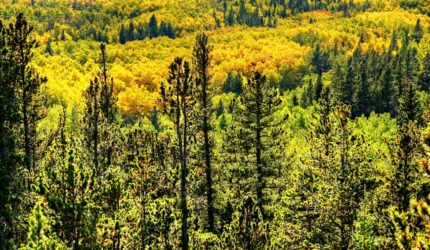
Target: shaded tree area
(150, 30)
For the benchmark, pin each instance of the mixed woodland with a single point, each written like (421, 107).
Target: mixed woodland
(218, 124)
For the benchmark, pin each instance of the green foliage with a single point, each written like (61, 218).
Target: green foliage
(39, 235)
(124, 166)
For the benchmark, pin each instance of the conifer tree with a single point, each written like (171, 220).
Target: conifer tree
(255, 136)
(417, 33)
(153, 27)
(49, 48)
(39, 235)
(177, 101)
(155, 120)
(303, 207)
(9, 118)
(320, 60)
(66, 188)
(28, 83)
(219, 108)
(122, 35)
(333, 180)
(425, 74)
(102, 145)
(202, 64)
(318, 88)
(361, 98)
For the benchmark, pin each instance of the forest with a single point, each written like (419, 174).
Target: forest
(217, 124)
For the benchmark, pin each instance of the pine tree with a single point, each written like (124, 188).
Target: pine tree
(122, 35)
(177, 100)
(39, 235)
(219, 108)
(361, 98)
(102, 144)
(153, 27)
(48, 49)
(28, 83)
(247, 230)
(223, 122)
(131, 32)
(202, 63)
(417, 33)
(386, 92)
(155, 120)
(254, 136)
(230, 19)
(320, 60)
(318, 88)
(425, 74)
(332, 182)
(307, 217)
(343, 83)
(9, 118)
(65, 186)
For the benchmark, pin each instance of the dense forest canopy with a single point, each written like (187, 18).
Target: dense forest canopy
(219, 124)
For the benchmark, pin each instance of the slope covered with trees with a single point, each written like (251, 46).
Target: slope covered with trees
(214, 124)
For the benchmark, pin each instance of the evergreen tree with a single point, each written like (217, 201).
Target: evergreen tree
(122, 35)
(233, 83)
(417, 33)
(255, 133)
(230, 19)
(223, 122)
(39, 235)
(343, 84)
(48, 49)
(66, 188)
(102, 145)
(219, 108)
(307, 219)
(177, 100)
(247, 229)
(347, 179)
(153, 27)
(320, 60)
(9, 118)
(63, 36)
(318, 88)
(28, 83)
(131, 32)
(155, 120)
(361, 98)
(202, 62)
(386, 92)
(425, 74)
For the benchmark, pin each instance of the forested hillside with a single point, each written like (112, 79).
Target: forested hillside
(218, 124)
